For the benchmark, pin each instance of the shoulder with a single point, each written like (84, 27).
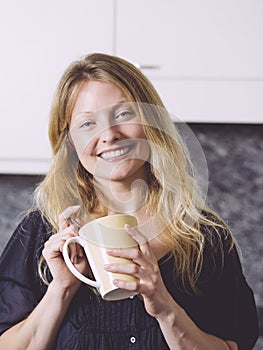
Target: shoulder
(20, 258)
(34, 218)
(29, 236)
(220, 252)
(34, 222)
(228, 285)
(21, 287)
(216, 233)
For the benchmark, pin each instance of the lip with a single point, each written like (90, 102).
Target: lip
(116, 153)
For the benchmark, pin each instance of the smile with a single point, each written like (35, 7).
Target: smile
(115, 154)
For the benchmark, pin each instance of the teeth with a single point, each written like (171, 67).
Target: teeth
(114, 154)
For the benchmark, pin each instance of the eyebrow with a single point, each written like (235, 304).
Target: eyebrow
(119, 104)
(113, 107)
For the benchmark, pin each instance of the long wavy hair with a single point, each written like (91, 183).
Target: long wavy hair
(174, 196)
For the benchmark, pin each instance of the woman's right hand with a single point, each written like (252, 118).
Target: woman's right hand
(39, 329)
(52, 253)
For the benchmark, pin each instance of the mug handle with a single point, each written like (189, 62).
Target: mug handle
(71, 267)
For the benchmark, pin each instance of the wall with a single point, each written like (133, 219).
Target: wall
(235, 160)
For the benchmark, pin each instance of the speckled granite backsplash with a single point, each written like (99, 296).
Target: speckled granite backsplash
(235, 160)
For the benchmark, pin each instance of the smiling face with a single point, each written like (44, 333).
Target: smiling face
(107, 133)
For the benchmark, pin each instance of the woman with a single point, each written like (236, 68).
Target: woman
(116, 150)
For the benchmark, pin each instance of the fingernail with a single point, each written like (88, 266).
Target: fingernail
(74, 222)
(80, 253)
(116, 282)
(107, 266)
(129, 228)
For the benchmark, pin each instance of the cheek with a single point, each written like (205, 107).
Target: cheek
(137, 131)
(83, 145)
(144, 146)
(147, 154)
(85, 155)
(88, 163)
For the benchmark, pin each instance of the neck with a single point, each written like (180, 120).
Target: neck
(130, 197)
(122, 196)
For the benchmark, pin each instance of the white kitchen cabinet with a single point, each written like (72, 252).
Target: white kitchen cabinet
(204, 57)
(39, 39)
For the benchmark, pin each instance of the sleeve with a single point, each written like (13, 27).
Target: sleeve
(224, 304)
(229, 303)
(241, 298)
(20, 285)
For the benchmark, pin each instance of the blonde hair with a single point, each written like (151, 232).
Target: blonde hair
(182, 215)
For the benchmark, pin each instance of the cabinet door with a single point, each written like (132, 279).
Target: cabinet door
(205, 57)
(39, 39)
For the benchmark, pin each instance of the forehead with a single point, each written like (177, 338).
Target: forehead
(94, 95)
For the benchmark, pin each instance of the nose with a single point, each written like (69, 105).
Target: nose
(110, 134)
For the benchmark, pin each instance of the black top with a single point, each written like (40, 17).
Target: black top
(224, 307)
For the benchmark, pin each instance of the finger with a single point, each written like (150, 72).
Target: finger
(133, 254)
(65, 215)
(57, 241)
(60, 237)
(135, 234)
(133, 286)
(143, 288)
(54, 246)
(75, 222)
(76, 250)
(127, 269)
(63, 235)
(140, 239)
(52, 250)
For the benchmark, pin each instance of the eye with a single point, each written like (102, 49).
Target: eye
(87, 124)
(127, 115)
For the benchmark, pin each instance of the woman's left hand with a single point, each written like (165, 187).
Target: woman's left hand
(146, 270)
(178, 329)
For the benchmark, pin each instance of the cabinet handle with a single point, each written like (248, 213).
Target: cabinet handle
(149, 66)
